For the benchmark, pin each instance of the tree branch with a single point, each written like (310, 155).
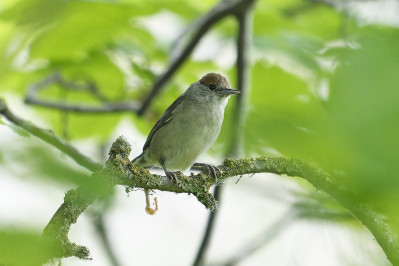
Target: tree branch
(102, 233)
(262, 239)
(244, 18)
(199, 258)
(235, 148)
(56, 78)
(104, 108)
(49, 137)
(120, 171)
(220, 11)
(309, 206)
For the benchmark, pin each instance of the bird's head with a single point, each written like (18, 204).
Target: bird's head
(212, 86)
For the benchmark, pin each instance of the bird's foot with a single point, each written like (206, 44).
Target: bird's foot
(173, 176)
(210, 170)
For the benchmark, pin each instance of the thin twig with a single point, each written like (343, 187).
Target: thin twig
(102, 232)
(220, 11)
(56, 78)
(263, 238)
(104, 108)
(244, 19)
(208, 231)
(235, 147)
(309, 206)
(98, 218)
(49, 137)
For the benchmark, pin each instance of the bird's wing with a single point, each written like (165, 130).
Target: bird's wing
(165, 118)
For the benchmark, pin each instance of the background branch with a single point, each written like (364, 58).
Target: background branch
(263, 238)
(104, 108)
(309, 206)
(49, 137)
(56, 78)
(102, 233)
(220, 11)
(199, 258)
(244, 19)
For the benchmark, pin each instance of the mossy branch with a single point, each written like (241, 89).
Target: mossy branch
(49, 137)
(118, 170)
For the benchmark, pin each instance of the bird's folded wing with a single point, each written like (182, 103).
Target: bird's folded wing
(165, 118)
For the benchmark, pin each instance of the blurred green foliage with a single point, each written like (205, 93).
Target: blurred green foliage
(335, 106)
(24, 248)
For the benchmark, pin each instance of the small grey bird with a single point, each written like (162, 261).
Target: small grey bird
(189, 127)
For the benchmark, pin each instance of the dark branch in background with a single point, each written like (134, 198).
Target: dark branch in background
(64, 116)
(262, 239)
(309, 206)
(106, 106)
(199, 258)
(49, 137)
(220, 11)
(120, 171)
(99, 217)
(102, 233)
(244, 19)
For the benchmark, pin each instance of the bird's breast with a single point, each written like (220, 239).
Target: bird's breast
(193, 129)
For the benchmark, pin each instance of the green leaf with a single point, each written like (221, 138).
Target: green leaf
(295, 47)
(354, 134)
(73, 34)
(25, 248)
(304, 18)
(320, 206)
(283, 108)
(96, 68)
(364, 105)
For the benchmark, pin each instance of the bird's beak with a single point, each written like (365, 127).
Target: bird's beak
(228, 91)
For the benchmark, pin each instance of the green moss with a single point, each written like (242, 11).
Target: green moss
(120, 147)
(80, 251)
(207, 199)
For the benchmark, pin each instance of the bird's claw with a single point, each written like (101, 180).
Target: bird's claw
(173, 176)
(210, 170)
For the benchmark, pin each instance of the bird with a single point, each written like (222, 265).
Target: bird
(188, 127)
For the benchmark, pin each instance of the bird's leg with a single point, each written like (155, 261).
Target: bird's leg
(209, 170)
(171, 175)
(148, 208)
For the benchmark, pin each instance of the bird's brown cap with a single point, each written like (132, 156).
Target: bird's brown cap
(215, 78)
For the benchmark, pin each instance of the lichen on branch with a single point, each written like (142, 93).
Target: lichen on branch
(118, 170)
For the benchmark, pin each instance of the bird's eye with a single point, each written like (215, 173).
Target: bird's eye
(212, 87)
